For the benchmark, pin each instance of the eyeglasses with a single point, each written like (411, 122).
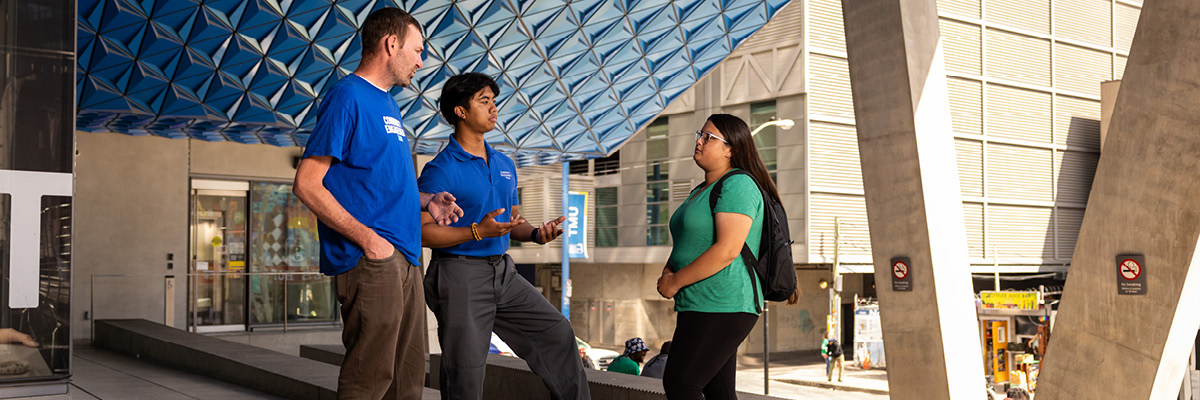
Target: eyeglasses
(704, 137)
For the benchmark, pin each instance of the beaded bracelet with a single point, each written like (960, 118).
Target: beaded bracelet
(533, 236)
(475, 231)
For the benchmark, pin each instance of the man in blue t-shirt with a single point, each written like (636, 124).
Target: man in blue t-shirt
(357, 176)
(472, 286)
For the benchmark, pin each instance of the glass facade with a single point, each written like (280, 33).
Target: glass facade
(764, 140)
(606, 217)
(219, 258)
(255, 255)
(283, 239)
(37, 88)
(658, 192)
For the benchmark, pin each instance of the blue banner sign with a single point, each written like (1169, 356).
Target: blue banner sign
(576, 225)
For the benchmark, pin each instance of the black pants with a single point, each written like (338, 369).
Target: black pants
(703, 361)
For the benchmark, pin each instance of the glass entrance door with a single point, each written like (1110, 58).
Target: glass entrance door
(218, 247)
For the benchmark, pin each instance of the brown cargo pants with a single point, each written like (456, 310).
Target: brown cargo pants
(382, 303)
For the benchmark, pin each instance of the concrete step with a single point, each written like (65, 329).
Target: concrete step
(327, 353)
(265, 370)
(510, 378)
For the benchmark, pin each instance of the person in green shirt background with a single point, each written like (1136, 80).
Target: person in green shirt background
(825, 350)
(705, 274)
(630, 361)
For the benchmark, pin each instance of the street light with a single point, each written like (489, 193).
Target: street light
(785, 124)
(782, 123)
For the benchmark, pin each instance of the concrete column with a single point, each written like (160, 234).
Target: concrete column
(1145, 200)
(913, 204)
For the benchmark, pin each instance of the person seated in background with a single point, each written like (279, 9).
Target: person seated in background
(655, 367)
(628, 363)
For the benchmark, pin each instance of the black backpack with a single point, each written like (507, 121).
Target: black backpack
(833, 348)
(775, 271)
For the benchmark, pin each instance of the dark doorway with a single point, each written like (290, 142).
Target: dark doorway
(848, 331)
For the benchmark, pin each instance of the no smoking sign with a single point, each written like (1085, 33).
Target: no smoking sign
(1131, 274)
(901, 274)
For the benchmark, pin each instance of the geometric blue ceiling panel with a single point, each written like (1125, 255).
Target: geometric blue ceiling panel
(577, 79)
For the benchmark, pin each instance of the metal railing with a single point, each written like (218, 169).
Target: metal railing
(193, 298)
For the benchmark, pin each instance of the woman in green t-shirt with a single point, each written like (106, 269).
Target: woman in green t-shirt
(706, 275)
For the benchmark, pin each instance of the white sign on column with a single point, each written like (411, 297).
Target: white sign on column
(26, 189)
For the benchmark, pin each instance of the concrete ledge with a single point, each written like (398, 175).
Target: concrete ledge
(272, 372)
(326, 353)
(510, 378)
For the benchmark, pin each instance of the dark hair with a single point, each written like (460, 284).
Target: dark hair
(745, 154)
(382, 23)
(458, 91)
(1017, 393)
(666, 348)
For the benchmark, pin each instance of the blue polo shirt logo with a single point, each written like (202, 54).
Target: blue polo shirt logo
(506, 174)
(393, 126)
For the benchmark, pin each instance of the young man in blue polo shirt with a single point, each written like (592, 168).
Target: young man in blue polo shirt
(472, 286)
(357, 176)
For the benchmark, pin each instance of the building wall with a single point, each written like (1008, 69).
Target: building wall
(636, 313)
(800, 327)
(1024, 81)
(255, 161)
(131, 210)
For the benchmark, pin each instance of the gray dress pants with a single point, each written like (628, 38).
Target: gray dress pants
(474, 296)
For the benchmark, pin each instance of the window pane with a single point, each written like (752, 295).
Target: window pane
(606, 196)
(606, 216)
(283, 238)
(608, 165)
(656, 149)
(579, 167)
(762, 112)
(657, 236)
(657, 191)
(765, 139)
(769, 158)
(657, 171)
(606, 237)
(658, 128)
(657, 214)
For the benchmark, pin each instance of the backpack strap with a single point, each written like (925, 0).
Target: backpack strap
(748, 257)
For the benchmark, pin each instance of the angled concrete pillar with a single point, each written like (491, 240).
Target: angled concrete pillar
(913, 204)
(1145, 201)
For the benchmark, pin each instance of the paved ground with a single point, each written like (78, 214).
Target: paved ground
(752, 382)
(803, 377)
(102, 374)
(807, 380)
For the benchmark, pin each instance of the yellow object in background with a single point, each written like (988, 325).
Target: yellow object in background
(1000, 350)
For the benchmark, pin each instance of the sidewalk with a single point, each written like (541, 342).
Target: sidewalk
(809, 370)
(853, 379)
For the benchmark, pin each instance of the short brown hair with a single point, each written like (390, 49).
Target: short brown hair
(382, 23)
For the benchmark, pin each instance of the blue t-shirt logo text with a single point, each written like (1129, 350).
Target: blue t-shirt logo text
(392, 126)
